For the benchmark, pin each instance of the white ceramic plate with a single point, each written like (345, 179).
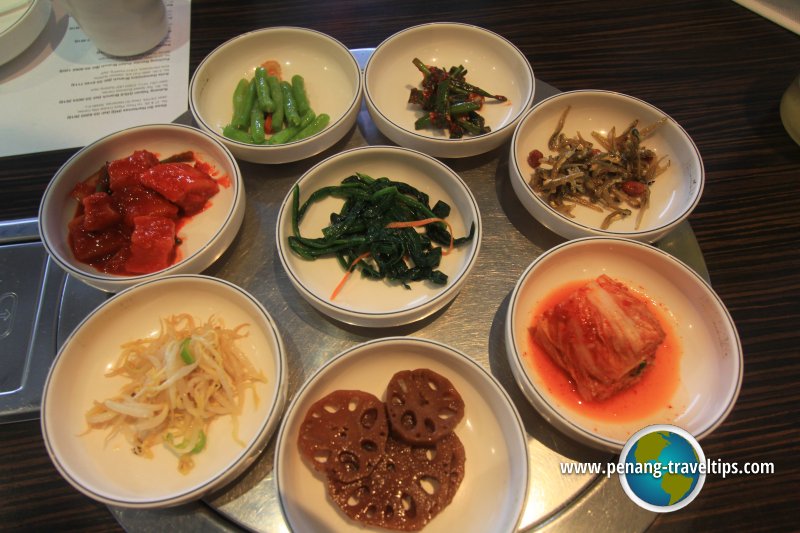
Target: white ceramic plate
(21, 22)
(674, 195)
(493, 492)
(493, 63)
(711, 353)
(369, 302)
(203, 238)
(108, 471)
(332, 80)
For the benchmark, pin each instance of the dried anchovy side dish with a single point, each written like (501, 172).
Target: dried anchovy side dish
(615, 179)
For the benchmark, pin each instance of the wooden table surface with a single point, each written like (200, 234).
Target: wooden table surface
(714, 66)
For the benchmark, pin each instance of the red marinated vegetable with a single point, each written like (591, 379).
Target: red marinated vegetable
(129, 211)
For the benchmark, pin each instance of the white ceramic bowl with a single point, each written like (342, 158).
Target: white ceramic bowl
(107, 470)
(493, 63)
(332, 80)
(204, 237)
(368, 302)
(20, 27)
(674, 195)
(710, 373)
(493, 493)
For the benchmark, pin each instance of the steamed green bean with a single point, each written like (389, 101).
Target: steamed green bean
(267, 110)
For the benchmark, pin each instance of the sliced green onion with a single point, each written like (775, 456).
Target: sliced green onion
(185, 354)
(171, 441)
(198, 447)
(201, 442)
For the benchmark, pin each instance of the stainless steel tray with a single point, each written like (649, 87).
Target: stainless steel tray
(473, 323)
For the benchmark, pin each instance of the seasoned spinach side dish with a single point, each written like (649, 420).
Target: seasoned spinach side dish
(376, 231)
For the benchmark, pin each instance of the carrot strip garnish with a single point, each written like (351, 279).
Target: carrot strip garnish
(272, 67)
(425, 222)
(347, 274)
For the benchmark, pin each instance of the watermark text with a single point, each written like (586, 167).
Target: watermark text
(655, 469)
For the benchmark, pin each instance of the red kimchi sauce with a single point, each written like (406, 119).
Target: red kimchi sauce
(653, 393)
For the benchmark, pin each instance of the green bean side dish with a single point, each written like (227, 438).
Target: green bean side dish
(449, 101)
(266, 105)
(376, 231)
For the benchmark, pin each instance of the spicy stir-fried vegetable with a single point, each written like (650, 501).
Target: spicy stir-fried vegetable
(376, 230)
(179, 382)
(614, 179)
(449, 101)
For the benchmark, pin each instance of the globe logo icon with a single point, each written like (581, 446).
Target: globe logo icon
(662, 468)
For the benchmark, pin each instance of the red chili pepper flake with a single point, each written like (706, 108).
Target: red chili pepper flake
(634, 188)
(535, 158)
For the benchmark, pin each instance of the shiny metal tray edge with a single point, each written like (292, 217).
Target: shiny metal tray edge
(33, 353)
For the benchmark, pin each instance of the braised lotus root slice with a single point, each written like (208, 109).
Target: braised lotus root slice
(344, 434)
(408, 488)
(423, 406)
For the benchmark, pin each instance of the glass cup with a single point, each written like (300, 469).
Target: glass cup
(121, 27)
(790, 110)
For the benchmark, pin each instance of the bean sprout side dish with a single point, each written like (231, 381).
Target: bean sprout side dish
(180, 382)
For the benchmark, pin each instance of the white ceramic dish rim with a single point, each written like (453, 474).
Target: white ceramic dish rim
(308, 140)
(388, 340)
(238, 198)
(592, 229)
(31, 24)
(465, 140)
(25, 14)
(554, 410)
(257, 442)
(452, 286)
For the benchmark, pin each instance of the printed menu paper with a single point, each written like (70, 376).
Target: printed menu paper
(64, 93)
